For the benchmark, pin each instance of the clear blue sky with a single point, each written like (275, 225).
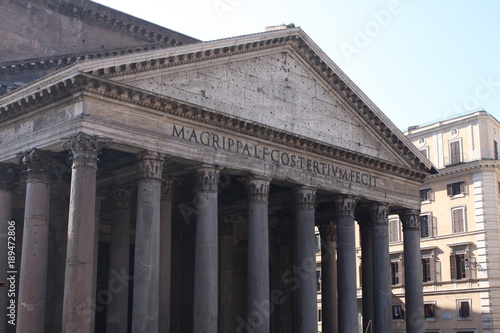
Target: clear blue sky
(418, 60)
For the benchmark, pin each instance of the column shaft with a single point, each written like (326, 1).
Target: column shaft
(258, 304)
(118, 280)
(413, 272)
(226, 274)
(305, 260)
(34, 255)
(6, 198)
(79, 281)
(165, 253)
(206, 251)
(329, 278)
(346, 265)
(367, 267)
(145, 310)
(382, 292)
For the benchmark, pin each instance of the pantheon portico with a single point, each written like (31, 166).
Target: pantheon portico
(178, 190)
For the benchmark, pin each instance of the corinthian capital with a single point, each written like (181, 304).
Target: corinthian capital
(122, 198)
(328, 231)
(379, 214)
(167, 188)
(37, 164)
(345, 205)
(207, 177)
(150, 165)
(85, 148)
(257, 187)
(410, 219)
(305, 197)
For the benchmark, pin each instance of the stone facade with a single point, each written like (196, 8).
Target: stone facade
(265, 137)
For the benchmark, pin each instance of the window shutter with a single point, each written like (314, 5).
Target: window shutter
(472, 268)
(433, 269)
(463, 188)
(438, 270)
(453, 268)
(449, 190)
(401, 273)
(434, 226)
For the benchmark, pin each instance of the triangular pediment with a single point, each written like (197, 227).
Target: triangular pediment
(275, 90)
(280, 80)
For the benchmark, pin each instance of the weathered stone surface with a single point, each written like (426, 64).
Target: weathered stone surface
(272, 89)
(45, 28)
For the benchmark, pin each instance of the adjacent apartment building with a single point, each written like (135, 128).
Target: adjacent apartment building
(460, 228)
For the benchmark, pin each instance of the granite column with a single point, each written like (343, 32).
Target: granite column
(365, 227)
(145, 309)
(167, 191)
(226, 272)
(79, 281)
(382, 292)
(34, 254)
(206, 270)
(346, 264)
(329, 306)
(305, 260)
(413, 272)
(258, 303)
(117, 309)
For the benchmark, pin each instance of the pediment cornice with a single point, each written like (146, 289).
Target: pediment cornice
(297, 41)
(92, 85)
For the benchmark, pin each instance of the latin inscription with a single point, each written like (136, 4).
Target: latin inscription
(253, 150)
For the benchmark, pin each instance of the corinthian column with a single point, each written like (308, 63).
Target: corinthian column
(145, 310)
(346, 264)
(6, 196)
(258, 304)
(117, 310)
(305, 260)
(365, 227)
(328, 233)
(413, 272)
(34, 255)
(382, 293)
(79, 281)
(167, 191)
(206, 269)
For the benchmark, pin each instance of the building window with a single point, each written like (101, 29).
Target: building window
(458, 220)
(495, 150)
(427, 225)
(318, 280)
(456, 189)
(427, 271)
(455, 152)
(426, 195)
(320, 316)
(462, 264)
(430, 269)
(464, 309)
(396, 269)
(425, 152)
(318, 243)
(394, 230)
(430, 310)
(398, 312)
